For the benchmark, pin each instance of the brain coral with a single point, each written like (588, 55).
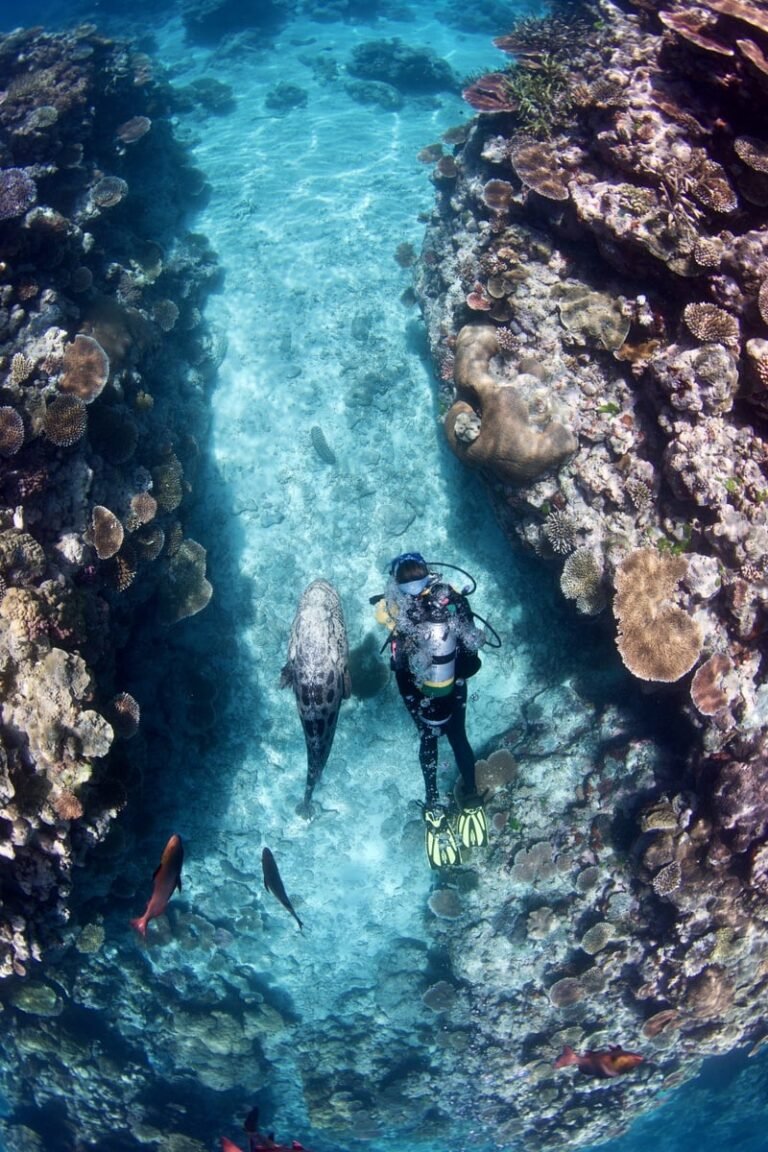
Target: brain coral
(508, 445)
(656, 639)
(85, 369)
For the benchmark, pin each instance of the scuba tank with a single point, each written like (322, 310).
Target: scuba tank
(433, 663)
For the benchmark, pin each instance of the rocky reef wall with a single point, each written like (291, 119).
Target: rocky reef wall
(593, 279)
(104, 365)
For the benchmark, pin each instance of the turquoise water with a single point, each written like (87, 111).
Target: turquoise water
(315, 329)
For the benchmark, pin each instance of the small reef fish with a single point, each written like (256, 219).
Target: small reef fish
(318, 671)
(167, 878)
(613, 1061)
(274, 884)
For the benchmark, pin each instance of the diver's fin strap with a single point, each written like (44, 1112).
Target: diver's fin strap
(440, 842)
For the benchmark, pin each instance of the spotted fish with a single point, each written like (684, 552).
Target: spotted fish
(318, 672)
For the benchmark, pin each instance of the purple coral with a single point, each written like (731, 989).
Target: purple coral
(18, 192)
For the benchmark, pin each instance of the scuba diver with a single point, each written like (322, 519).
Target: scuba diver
(433, 650)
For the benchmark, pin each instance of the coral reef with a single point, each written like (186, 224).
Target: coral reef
(604, 241)
(92, 196)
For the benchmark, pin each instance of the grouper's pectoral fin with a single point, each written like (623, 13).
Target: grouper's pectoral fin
(286, 676)
(178, 884)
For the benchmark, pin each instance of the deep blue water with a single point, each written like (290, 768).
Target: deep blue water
(305, 213)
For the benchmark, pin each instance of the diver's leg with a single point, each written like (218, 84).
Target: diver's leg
(413, 700)
(457, 737)
(428, 762)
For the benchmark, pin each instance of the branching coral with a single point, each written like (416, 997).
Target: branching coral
(582, 581)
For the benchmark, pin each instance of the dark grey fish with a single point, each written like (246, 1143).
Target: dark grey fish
(274, 884)
(318, 672)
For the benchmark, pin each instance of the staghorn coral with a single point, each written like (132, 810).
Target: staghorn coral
(65, 421)
(508, 445)
(656, 639)
(85, 369)
(123, 567)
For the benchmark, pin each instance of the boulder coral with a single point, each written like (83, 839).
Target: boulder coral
(508, 443)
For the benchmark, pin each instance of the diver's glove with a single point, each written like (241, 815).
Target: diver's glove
(471, 825)
(439, 840)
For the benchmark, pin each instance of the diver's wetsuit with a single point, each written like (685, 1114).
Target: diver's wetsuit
(437, 715)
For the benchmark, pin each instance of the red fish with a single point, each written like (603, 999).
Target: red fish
(258, 1141)
(167, 878)
(612, 1062)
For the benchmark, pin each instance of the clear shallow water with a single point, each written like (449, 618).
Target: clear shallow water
(306, 210)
